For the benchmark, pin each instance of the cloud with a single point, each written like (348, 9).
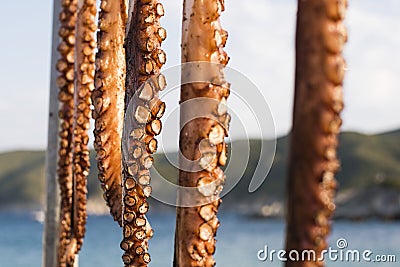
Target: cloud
(260, 44)
(371, 85)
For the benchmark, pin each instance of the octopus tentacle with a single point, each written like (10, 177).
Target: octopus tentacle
(108, 101)
(143, 109)
(320, 69)
(65, 82)
(203, 39)
(84, 84)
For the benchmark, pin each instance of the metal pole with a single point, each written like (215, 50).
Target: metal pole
(50, 235)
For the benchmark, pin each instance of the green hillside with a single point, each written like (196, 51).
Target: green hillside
(21, 178)
(366, 160)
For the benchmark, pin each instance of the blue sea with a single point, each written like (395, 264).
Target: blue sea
(239, 241)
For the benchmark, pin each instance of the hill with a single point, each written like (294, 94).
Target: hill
(367, 160)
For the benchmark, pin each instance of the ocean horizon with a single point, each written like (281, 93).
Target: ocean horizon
(239, 241)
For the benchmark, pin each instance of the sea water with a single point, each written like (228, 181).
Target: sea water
(241, 241)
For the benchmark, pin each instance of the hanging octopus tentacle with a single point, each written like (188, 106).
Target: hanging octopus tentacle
(65, 82)
(143, 110)
(108, 101)
(203, 39)
(84, 84)
(320, 69)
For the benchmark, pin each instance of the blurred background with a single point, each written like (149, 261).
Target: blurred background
(261, 46)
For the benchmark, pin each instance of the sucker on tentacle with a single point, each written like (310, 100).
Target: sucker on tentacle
(84, 84)
(143, 109)
(320, 69)
(65, 82)
(203, 39)
(108, 101)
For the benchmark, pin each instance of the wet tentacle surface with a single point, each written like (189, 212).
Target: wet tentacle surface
(84, 84)
(143, 110)
(65, 82)
(202, 139)
(320, 69)
(108, 101)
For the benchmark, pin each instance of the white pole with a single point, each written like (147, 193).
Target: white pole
(50, 235)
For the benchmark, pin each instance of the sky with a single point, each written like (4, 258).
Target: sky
(261, 47)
